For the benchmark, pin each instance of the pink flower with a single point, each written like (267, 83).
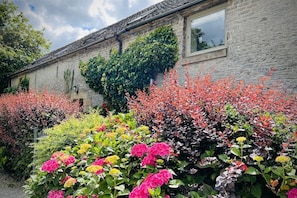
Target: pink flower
(165, 175)
(139, 192)
(50, 166)
(160, 149)
(149, 160)
(82, 196)
(69, 160)
(139, 150)
(152, 181)
(99, 162)
(292, 193)
(55, 194)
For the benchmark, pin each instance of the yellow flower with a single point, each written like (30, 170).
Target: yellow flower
(85, 146)
(282, 159)
(114, 172)
(258, 158)
(94, 168)
(87, 130)
(125, 137)
(112, 159)
(160, 161)
(240, 139)
(285, 187)
(82, 172)
(111, 135)
(120, 130)
(70, 182)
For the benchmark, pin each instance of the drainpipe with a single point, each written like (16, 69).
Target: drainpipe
(119, 39)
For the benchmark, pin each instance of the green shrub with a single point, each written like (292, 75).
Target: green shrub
(218, 128)
(66, 133)
(20, 115)
(102, 161)
(133, 69)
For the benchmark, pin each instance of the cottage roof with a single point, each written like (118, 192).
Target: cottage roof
(142, 17)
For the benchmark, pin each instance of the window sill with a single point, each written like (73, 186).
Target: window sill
(205, 55)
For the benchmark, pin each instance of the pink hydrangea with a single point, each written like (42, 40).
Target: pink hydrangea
(149, 160)
(50, 166)
(99, 162)
(165, 176)
(292, 193)
(160, 149)
(69, 160)
(139, 192)
(152, 181)
(55, 194)
(139, 150)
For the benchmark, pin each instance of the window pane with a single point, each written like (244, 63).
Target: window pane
(208, 31)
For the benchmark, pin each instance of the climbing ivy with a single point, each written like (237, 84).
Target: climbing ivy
(132, 70)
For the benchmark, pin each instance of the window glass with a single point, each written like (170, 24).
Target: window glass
(208, 31)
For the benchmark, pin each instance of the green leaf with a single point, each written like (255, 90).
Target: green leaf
(175, 183)
(252, 171)
(235, 151)
(256, 190)
(194, 194)
(120, 188)
(278, 171)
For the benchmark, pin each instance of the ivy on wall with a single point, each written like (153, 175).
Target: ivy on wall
(133, 69)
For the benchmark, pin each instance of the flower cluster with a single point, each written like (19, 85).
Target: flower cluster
(158, 149)
(56, 160)
(151, 182)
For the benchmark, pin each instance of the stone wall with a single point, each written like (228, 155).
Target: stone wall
(260, 35)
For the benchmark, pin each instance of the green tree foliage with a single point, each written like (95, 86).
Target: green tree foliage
(132, 70)
(20, 44)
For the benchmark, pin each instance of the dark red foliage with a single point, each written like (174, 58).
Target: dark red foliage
(21, 113)
(192, 115)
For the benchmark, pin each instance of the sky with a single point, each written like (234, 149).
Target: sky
(66, 21)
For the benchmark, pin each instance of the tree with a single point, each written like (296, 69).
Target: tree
(20, 44)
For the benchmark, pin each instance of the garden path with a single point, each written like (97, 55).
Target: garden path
(10, 188)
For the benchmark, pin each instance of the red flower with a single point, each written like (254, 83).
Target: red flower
(139, 150)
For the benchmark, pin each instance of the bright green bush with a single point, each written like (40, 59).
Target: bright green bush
(133, 69)
(102, 161)
(65, 134)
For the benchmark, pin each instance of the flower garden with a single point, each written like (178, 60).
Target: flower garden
(203, 138)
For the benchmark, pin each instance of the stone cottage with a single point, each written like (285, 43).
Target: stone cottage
(243, 38)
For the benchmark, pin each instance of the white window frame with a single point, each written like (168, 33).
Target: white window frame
(188, 31)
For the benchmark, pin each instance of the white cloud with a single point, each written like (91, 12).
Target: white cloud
(66, 20)
(103, 9)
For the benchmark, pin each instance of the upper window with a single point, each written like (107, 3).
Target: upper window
(206, 32)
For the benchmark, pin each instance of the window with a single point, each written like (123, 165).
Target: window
(206, 32)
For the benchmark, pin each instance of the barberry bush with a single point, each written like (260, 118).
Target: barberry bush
(230, 137)
(20, 115)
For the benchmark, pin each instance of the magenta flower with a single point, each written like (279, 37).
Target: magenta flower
(160, 149)
(149, 160)
(152, 181)
(50, 166)
(292, 193)
(139, 150)
(69, 160)
(99, 162)
(55, 194)
(139, 192)
(165, 175)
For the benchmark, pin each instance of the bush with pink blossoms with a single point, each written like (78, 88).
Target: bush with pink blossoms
(112, 159)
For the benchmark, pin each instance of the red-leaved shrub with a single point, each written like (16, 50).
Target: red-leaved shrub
(20, 115)
(202, 118)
